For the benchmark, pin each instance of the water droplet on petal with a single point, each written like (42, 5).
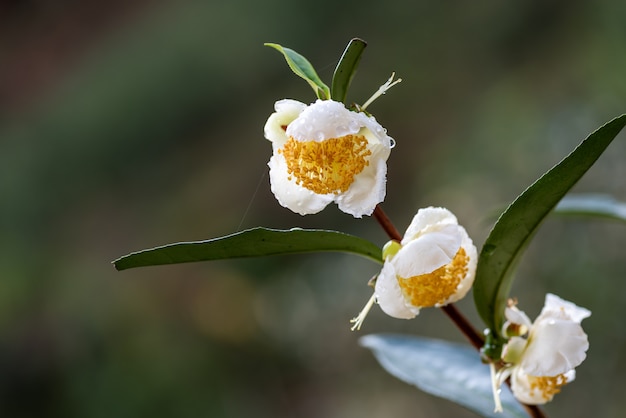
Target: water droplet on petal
(341, 130)
(354, 126)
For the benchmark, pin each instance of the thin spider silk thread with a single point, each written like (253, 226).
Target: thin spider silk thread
(256, 191)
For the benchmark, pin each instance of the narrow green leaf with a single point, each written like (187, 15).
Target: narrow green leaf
(254, 242)
(515, 227)
(346, 68)
(443, 369)
(303, 68)
(593, 206)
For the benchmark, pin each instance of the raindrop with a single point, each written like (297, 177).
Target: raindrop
(341, 130)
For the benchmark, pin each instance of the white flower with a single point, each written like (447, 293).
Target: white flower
(324, 153)
(433, 265)
(542, 363)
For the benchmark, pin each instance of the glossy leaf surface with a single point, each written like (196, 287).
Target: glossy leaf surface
(516, 226)
(303, 68)
(592, 206)
(255, 242)
(346, 68)
(444, 369)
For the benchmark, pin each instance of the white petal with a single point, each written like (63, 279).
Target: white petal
(291, 195)
(428, 219)
(323, 120)
(513, 350)
(557, 307)
(375, 133)
(428, 252)
(514, 315)
(521, 388)
(389, 295)
(468, 280)
(555, 346)
(570, 375)
(287, 110)
(367, 190)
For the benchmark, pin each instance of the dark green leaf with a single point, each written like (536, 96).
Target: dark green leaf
(592, 205)
(515, 227)
(255, 242)
(446, 370)
(346, 68)
(303, 68)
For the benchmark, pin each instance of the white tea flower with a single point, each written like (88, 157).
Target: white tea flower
(544, 361)
(433, 265)
(324, 153)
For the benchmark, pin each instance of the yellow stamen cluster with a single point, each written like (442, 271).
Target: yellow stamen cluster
(548, 386)
(326, 166)
(429, 289)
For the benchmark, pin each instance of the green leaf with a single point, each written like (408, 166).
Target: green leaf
(254, 242)
(515, 227)
(593, 206)
(303, 68)
(346, 68)
(446, 370)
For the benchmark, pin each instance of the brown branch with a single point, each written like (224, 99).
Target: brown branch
(533, 411)
(474, 337)
(387, 225)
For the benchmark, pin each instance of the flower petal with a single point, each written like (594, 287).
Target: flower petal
(375, 133)
(515, 316)
(323, 120)
(555, 346)
(287, 110)
(389, 295)
(556, 307)
(428, 219)
(291, 195)
(428, 252)
(513, 350)
(533, 390)
(468, 281)
(367, 190)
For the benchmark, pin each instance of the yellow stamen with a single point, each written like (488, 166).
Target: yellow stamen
(326, 166)
(548, 386)
(430, 289)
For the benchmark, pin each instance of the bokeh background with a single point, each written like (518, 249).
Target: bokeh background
(130, 124)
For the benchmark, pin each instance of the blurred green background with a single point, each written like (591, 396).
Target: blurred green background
(126, 125)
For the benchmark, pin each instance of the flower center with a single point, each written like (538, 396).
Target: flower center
(326, 166)
(427, 290)
(548, 386)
